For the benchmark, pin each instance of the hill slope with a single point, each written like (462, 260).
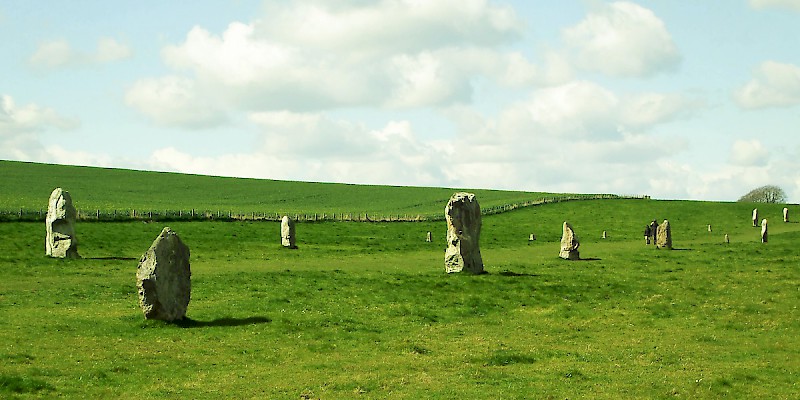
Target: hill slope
(28, 185)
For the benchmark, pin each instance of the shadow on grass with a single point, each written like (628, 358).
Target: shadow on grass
(512, 273)
(225, 321)
(589, 259)
(112, 258)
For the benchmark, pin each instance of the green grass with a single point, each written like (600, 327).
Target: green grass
(28, 186)
(364, 310)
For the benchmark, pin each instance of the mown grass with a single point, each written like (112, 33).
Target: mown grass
(364, 310)
(28, 186)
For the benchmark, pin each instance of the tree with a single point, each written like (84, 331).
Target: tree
(765, 194)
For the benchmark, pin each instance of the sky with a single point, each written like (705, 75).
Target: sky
(675, 99)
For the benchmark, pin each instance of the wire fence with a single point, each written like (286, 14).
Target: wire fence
(25, 215)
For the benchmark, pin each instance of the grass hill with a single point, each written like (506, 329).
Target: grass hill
(28, 186)
(365, 310)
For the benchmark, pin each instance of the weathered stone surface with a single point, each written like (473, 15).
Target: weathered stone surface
(785, 214)
(664, 236)
(60, 241)
(163, 278)
(755, 217)
(463, 216)
(288, 233)
(569, 243)
(764, 231)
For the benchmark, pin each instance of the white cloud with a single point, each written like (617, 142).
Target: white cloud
(793, 5)
(749, 153)
(59, 53)
(774, 85)
(393, 54)
(175, 101)
(21, 126)
(622, 39)
(109, 50)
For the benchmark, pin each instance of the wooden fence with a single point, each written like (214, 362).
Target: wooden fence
(219, 215)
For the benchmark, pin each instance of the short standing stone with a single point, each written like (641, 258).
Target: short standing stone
(785, 214)
(709, 227)
(288, 233)
(163, 278)
(569, 243)
(429, 237)
(463, 216)
(60, 241)
(605, 235)
(664, 237)
(755, 217)
(532, 237)
(727, 238)
(764, 230)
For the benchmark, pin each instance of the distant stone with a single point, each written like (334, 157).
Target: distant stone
(429, 237)
(727, 238)
(288, 233)
(60, 241)
(532, 237)
(463, 216)
(764, 231)
(755, 217)
(709, 227)
(785, 214)
(569, 243)
(664, 237)
(605, 235)
(654, 231)
(163, 278)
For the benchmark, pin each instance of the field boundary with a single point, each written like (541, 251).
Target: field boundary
(23, 215)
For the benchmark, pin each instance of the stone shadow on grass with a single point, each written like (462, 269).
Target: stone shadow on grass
(225, 321)
(112, 258)
(512, 273)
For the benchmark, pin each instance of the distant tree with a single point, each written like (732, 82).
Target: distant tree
(765, 194)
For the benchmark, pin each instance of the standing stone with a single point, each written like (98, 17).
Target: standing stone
(755, 217)
(532, 237)
(463, 216)
(709, 227)
(429, 237)
(654, 231)
(764, 232)
(605, 236)
(569, 243)
(163, 278)
(664, 237)
(287, 233)
(727, 238)
(60, 241)
(785, 214)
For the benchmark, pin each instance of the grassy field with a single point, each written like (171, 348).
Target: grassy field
(28, 186)
(364, 310)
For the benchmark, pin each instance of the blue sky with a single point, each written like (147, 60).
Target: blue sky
(674, 99)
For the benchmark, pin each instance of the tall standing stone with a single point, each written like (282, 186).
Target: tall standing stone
(288, 233)
(785, 214)
(429, 237)
(569, 243)
(764, 230)
(60, 241)
(727, 238)
(163, 278)
(664, 237)
(755, 217)
(463, 216)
